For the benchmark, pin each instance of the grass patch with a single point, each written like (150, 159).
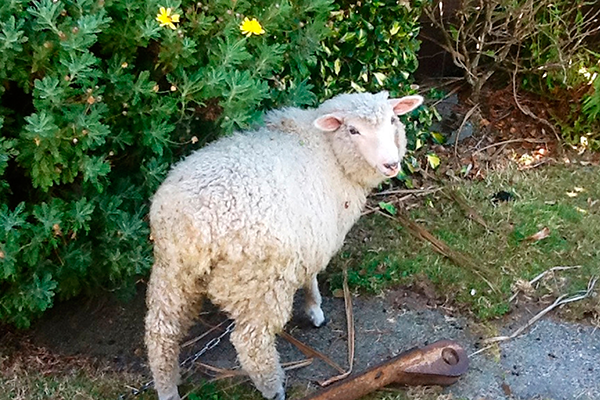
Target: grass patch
(565, 199)
(78, 385)
(227, 389)
(89, 384)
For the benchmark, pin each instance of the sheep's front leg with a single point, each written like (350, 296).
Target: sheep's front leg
(257, 354)
(313, 300)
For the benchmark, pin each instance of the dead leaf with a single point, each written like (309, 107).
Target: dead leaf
(521, 285)
(536, 237)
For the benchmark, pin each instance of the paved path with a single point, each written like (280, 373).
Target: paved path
(553, 361)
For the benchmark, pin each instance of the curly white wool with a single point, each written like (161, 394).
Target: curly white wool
(251, 218)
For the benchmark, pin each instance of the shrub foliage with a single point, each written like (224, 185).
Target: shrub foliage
(99, 97)
(549, 47)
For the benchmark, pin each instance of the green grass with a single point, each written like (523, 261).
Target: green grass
(565, 199)
(77, 385)
(90, 384)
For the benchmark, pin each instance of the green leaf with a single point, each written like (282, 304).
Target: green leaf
(81, 215)
(433, 160)
(357, 87)
(50, 216)
(438, 137)
(10, 221)
(418, 143)
(390, 208)
(93, 168)
(337, 66)
(41, 292)
(381, 77)
(48, 89)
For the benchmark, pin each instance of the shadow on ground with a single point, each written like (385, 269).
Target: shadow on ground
(554, 360)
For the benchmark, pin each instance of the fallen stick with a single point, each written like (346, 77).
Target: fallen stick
(202, 336)
(440, 246)
(510, 141)
(468, 210)
(429, 190)
(562, 300)
(350, 327)
(310, 352)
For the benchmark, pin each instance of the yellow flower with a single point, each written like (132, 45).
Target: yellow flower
(166, 18)
(251, 27)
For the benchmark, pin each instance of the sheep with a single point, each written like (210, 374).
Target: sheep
(249, 219)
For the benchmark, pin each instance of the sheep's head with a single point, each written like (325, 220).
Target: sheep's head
(366, 128)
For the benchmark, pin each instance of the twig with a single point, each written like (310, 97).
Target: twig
(537, 164)
(558, 302)
(469, 211)
(524, 109)
(243, 376)
(350, 326)
(221, 373)
(440, 246)
(449, 94)
(510, 141)
(310, 352)
(540, 276)
(202, 336)
(372, 210)
(428, 190)
(462, 125)
(224, 373)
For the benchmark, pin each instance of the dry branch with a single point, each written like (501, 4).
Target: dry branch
(557, 303)
(310, 352)
(350, 326)
(560, 301)
(440, 246)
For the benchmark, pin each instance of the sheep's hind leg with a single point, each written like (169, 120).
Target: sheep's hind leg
(254, 341)
(313, 301)
(171, 311)
(258, 356)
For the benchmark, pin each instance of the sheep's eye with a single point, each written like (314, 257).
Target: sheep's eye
(353, 130)
(394, 119)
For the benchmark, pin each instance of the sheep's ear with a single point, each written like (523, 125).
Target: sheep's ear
(328, 122)
(406, 104)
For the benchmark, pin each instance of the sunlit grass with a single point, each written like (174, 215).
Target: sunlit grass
(564, 199)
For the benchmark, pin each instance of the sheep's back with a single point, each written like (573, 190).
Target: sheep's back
(254, 196)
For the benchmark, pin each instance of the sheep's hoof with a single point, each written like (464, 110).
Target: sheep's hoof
(316, 316)
(280, 395)
(169, 394)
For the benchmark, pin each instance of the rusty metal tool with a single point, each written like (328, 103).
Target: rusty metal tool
(440, 363)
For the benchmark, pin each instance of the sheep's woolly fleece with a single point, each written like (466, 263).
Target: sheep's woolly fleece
(248, 220)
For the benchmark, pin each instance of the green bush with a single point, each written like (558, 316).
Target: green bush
(98, 99)
(373, 46)
(550, 47)
(561, 61)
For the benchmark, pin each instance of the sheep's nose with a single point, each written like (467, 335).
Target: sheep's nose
(391, 166)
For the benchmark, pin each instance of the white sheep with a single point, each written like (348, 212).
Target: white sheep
(250, 218)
